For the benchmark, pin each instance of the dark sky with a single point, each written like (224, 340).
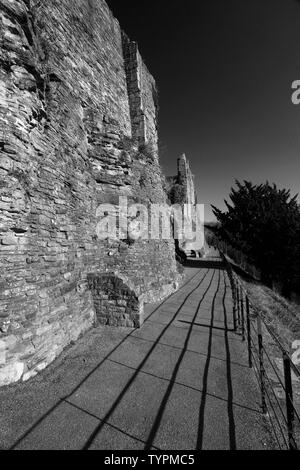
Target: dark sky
(224, 69)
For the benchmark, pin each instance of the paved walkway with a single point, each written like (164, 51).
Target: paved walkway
(180, 382)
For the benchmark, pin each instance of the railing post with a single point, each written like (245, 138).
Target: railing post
(242, 313)
(249, 332)
(234, 302)
(261, 365)
(289, 401)
(238, 304)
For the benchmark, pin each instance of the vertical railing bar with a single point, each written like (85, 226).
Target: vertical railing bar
(238, 304)
(249, 332)
(234, 305)
(261, 365)
(242, 314)
(235, 302)
(289, 401)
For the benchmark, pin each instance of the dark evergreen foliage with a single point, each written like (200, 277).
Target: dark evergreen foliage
(264, 223)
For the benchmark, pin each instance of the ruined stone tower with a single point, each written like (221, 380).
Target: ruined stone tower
(78, 128)
(181, 190)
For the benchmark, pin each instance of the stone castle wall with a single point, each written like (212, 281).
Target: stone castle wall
(78, 109)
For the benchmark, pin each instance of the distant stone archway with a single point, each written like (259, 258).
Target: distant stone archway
(115, 303)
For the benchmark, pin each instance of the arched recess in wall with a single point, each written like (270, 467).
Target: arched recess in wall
(115, 303)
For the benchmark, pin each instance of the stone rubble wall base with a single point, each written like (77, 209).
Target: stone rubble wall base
(23, 359)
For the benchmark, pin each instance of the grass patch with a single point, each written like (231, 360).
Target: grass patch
(281, 315)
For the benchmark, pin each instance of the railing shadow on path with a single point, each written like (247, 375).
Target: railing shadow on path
(98, 429)
(203, 325)
(64, 399)
(205, 375)
(166, 397)
(232, 431)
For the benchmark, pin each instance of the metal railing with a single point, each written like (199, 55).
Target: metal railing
(275, 371)
(238, 257)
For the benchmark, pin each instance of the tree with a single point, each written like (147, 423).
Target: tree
(264, 223)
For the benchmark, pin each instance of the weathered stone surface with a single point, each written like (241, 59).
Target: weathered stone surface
(181, 190)
(78, 127)
(11, 373)
(115, 303)
(143, 95)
